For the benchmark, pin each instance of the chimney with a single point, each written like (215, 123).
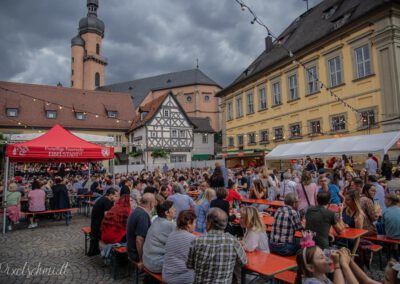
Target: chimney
(268, 44)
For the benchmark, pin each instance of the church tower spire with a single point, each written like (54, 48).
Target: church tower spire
(87, 64)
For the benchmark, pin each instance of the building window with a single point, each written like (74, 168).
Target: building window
(178, 158)
(72, 60)
(174, 133)
(206, 98)
(98, 49)
(72, 72)
(276, 89)
(153, 134)
(338, 122)
(252, 138)
(231, 142)
(118, 140)
(72, 83)
(292, 82)
(262, 98)
(312, 80)
(335, 71)
(205, 138)
(239, 107)
(229, 110)
(278, 133)
(264, 136)
(363, 61)
(240, 140)
(315, 127)
(97, 79)
(250, 103)
(166, 113)
(295, 130)
(182, 133)
(51, 114)
(12, 112)
(80, 115)
(112, 114)
(189, 99)
(368, 118)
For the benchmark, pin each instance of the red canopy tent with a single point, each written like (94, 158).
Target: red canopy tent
(58, 144)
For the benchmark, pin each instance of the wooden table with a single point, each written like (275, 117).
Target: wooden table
(267, 220)
(348, 233)
(273, 203)
(266, 264)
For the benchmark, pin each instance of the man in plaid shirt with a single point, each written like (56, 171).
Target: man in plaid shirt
(287, 222)
(213, 256)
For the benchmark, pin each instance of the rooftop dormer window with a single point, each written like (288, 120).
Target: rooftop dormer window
(80, 115)
(112, 114)
(329, 12)
(12, 112)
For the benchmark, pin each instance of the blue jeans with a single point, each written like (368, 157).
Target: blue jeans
(284, 249)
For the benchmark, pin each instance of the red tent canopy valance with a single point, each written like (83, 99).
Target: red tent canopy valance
(58, 144)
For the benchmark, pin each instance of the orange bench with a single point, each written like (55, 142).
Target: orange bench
(117, 251)
(377, 249)
(86, 231)
(286, 277)
(381, 238)
(53, 211)
(156, 276)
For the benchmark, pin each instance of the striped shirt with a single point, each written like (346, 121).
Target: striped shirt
(287, 221)
(213, 257)
(176, 252)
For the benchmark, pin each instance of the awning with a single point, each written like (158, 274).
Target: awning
(352, 145)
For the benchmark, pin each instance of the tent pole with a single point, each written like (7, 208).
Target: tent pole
(113, 171)
(6, 165)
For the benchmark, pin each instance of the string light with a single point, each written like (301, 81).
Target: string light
(256, 19)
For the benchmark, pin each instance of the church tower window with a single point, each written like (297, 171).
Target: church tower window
(97, 79)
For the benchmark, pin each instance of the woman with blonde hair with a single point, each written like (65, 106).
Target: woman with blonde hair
(255, 238)
(13, 205)
(202, 209)
(353, 215)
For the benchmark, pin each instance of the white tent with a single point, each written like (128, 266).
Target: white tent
(352, 145)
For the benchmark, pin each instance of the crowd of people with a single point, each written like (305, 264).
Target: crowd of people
(192, 225)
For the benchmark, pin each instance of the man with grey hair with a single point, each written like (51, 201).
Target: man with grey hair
(214, 255)
(286, 222)
(181, 201)
(287, 185)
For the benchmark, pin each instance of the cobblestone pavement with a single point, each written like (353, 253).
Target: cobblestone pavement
(61, 248)
(51, 245)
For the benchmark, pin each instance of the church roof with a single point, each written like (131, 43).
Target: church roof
(317, 23)
(202, 124)
(140, 88)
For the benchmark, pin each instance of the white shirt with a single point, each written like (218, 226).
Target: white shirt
(256, 241)
(286, 187)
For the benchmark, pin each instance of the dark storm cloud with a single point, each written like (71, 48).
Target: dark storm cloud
(142, 37)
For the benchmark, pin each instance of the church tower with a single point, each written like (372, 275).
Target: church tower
(87, 65)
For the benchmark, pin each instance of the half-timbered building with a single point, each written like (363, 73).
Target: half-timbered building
(162, 124)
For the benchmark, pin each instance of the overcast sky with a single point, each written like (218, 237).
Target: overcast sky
(142, 37)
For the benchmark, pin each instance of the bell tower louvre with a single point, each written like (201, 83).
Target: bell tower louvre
(87, 64)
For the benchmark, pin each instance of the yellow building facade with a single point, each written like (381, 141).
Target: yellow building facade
(292, 100)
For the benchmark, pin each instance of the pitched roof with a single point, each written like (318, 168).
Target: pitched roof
(140, 88)
(202, 125)
(151, 108)
(310, 27)
(33, 113)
